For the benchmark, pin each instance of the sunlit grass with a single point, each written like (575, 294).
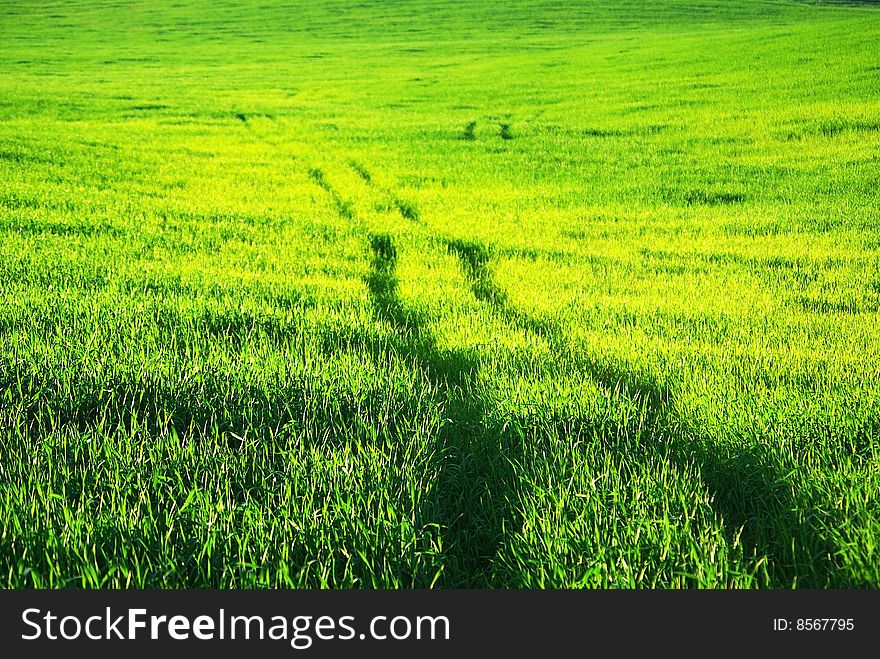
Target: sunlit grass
(436, 295)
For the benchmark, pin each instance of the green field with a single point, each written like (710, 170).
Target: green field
(440, 294)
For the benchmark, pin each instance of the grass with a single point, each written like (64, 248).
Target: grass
(427, 294)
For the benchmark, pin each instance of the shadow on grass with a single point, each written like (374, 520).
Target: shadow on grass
(749, 483)
(127, 453)
(473, 498)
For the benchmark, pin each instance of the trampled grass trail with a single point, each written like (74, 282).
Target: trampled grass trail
(425, 294)
(480, 459)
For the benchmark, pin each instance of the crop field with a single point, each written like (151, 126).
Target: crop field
(408, 294)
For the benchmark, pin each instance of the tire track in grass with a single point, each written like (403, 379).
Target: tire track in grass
(748, 484)
(407, 210)
(474, 262)
(473, 496)
(471, 500)
(343, 207)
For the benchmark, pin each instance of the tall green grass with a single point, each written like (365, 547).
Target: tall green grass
(431, 294)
